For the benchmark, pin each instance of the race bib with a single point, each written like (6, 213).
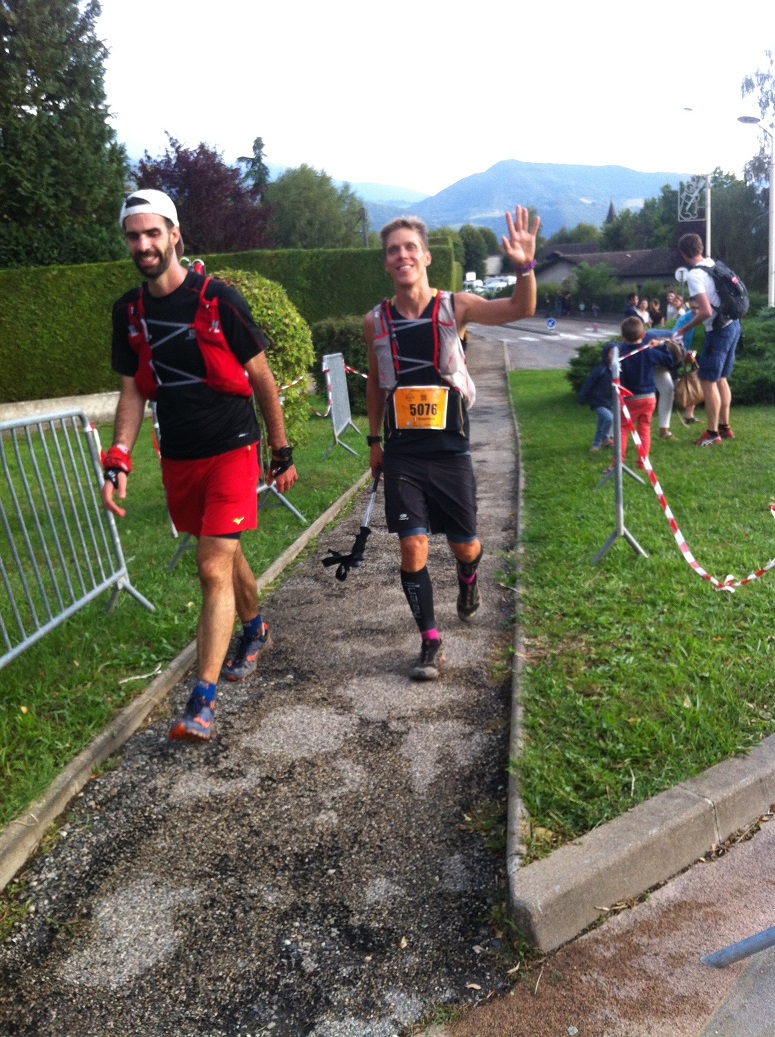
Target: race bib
(420, 406)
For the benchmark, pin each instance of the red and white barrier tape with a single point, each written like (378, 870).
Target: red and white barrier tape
(282, 388)
(728, 584)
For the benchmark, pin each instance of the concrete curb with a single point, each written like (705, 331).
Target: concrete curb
(514, 806)
(23, 835)
(554, 899)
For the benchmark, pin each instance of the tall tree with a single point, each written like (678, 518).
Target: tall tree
(218, 212)
(592, 282)
(60, 164)
(739, 227)
(761, 86)
(652, 226)
(580, 234)
(309, 211)
(256, 173)
(475, 248)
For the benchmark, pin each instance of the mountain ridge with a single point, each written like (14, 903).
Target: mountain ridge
(562, 194)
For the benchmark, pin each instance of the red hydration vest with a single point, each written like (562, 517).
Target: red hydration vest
(223, 372)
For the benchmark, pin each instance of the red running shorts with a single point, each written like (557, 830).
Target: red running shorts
(213, 496)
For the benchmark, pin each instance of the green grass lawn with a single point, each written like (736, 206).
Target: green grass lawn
(63, 690)
(638, 674)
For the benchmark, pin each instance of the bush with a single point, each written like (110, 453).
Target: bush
(587, 357)
(343, 335)
(290, 352)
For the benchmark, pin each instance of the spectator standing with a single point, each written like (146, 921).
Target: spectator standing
(675, 307)
(687, 338)
(631, 308)
(655, 312)
(717, 359)
(597, 391)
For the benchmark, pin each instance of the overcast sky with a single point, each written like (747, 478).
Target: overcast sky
(420, 94)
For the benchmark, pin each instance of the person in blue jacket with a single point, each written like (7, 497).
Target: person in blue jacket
(637, 376)
(597, 391)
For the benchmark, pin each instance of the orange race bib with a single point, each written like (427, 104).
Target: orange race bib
(420, 407)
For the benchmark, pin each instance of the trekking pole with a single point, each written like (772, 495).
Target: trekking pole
(738, 951)
(351, 561)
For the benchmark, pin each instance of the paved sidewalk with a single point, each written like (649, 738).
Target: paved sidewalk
(319, 869)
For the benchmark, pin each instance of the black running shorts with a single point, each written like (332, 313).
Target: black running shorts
(430, 495)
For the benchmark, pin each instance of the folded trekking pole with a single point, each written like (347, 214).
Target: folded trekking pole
(351, 561)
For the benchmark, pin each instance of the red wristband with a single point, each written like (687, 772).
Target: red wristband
(117, 457)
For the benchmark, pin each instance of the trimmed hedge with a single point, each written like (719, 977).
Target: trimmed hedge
(30, 246)
(55, 322)
(343, 335)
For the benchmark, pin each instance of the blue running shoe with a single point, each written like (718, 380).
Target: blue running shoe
(196, 724)
(245, 658)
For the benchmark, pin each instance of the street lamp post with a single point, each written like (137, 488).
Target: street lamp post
(751, 120)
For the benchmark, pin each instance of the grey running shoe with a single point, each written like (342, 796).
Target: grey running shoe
(431, 660)
(245, 658)
(468, 599)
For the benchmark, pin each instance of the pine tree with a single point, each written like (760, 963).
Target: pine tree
(61, 167)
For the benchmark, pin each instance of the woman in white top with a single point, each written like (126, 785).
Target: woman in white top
(643, 312)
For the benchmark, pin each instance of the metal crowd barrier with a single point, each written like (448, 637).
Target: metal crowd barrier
(59, 548)
(341, 416)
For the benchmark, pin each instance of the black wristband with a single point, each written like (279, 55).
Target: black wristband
(282, 460)
(111, 475)
(371, 440)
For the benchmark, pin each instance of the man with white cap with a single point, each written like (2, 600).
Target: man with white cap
(189, 342)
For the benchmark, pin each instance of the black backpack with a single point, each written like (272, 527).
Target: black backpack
(731, 290)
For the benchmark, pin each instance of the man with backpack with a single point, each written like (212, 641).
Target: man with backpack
(720, 299)
(418, 397)
(190, 343)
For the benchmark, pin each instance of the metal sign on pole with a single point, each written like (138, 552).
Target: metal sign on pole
(690, 207)
(620, 530)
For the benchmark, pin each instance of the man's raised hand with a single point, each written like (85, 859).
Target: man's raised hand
(519, 243)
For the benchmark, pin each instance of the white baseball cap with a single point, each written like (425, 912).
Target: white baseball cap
(148, 200)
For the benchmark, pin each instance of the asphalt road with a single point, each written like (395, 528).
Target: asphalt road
(532, 346)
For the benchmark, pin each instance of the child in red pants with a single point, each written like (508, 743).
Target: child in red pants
(636, 373)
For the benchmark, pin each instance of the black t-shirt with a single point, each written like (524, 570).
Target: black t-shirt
(416, 348)
(195, 421)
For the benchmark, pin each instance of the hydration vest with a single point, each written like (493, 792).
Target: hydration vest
(448, 359)
(223, 372)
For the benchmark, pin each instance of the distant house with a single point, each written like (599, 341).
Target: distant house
(634, 267)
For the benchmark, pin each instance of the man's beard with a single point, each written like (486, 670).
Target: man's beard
(162, 257)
